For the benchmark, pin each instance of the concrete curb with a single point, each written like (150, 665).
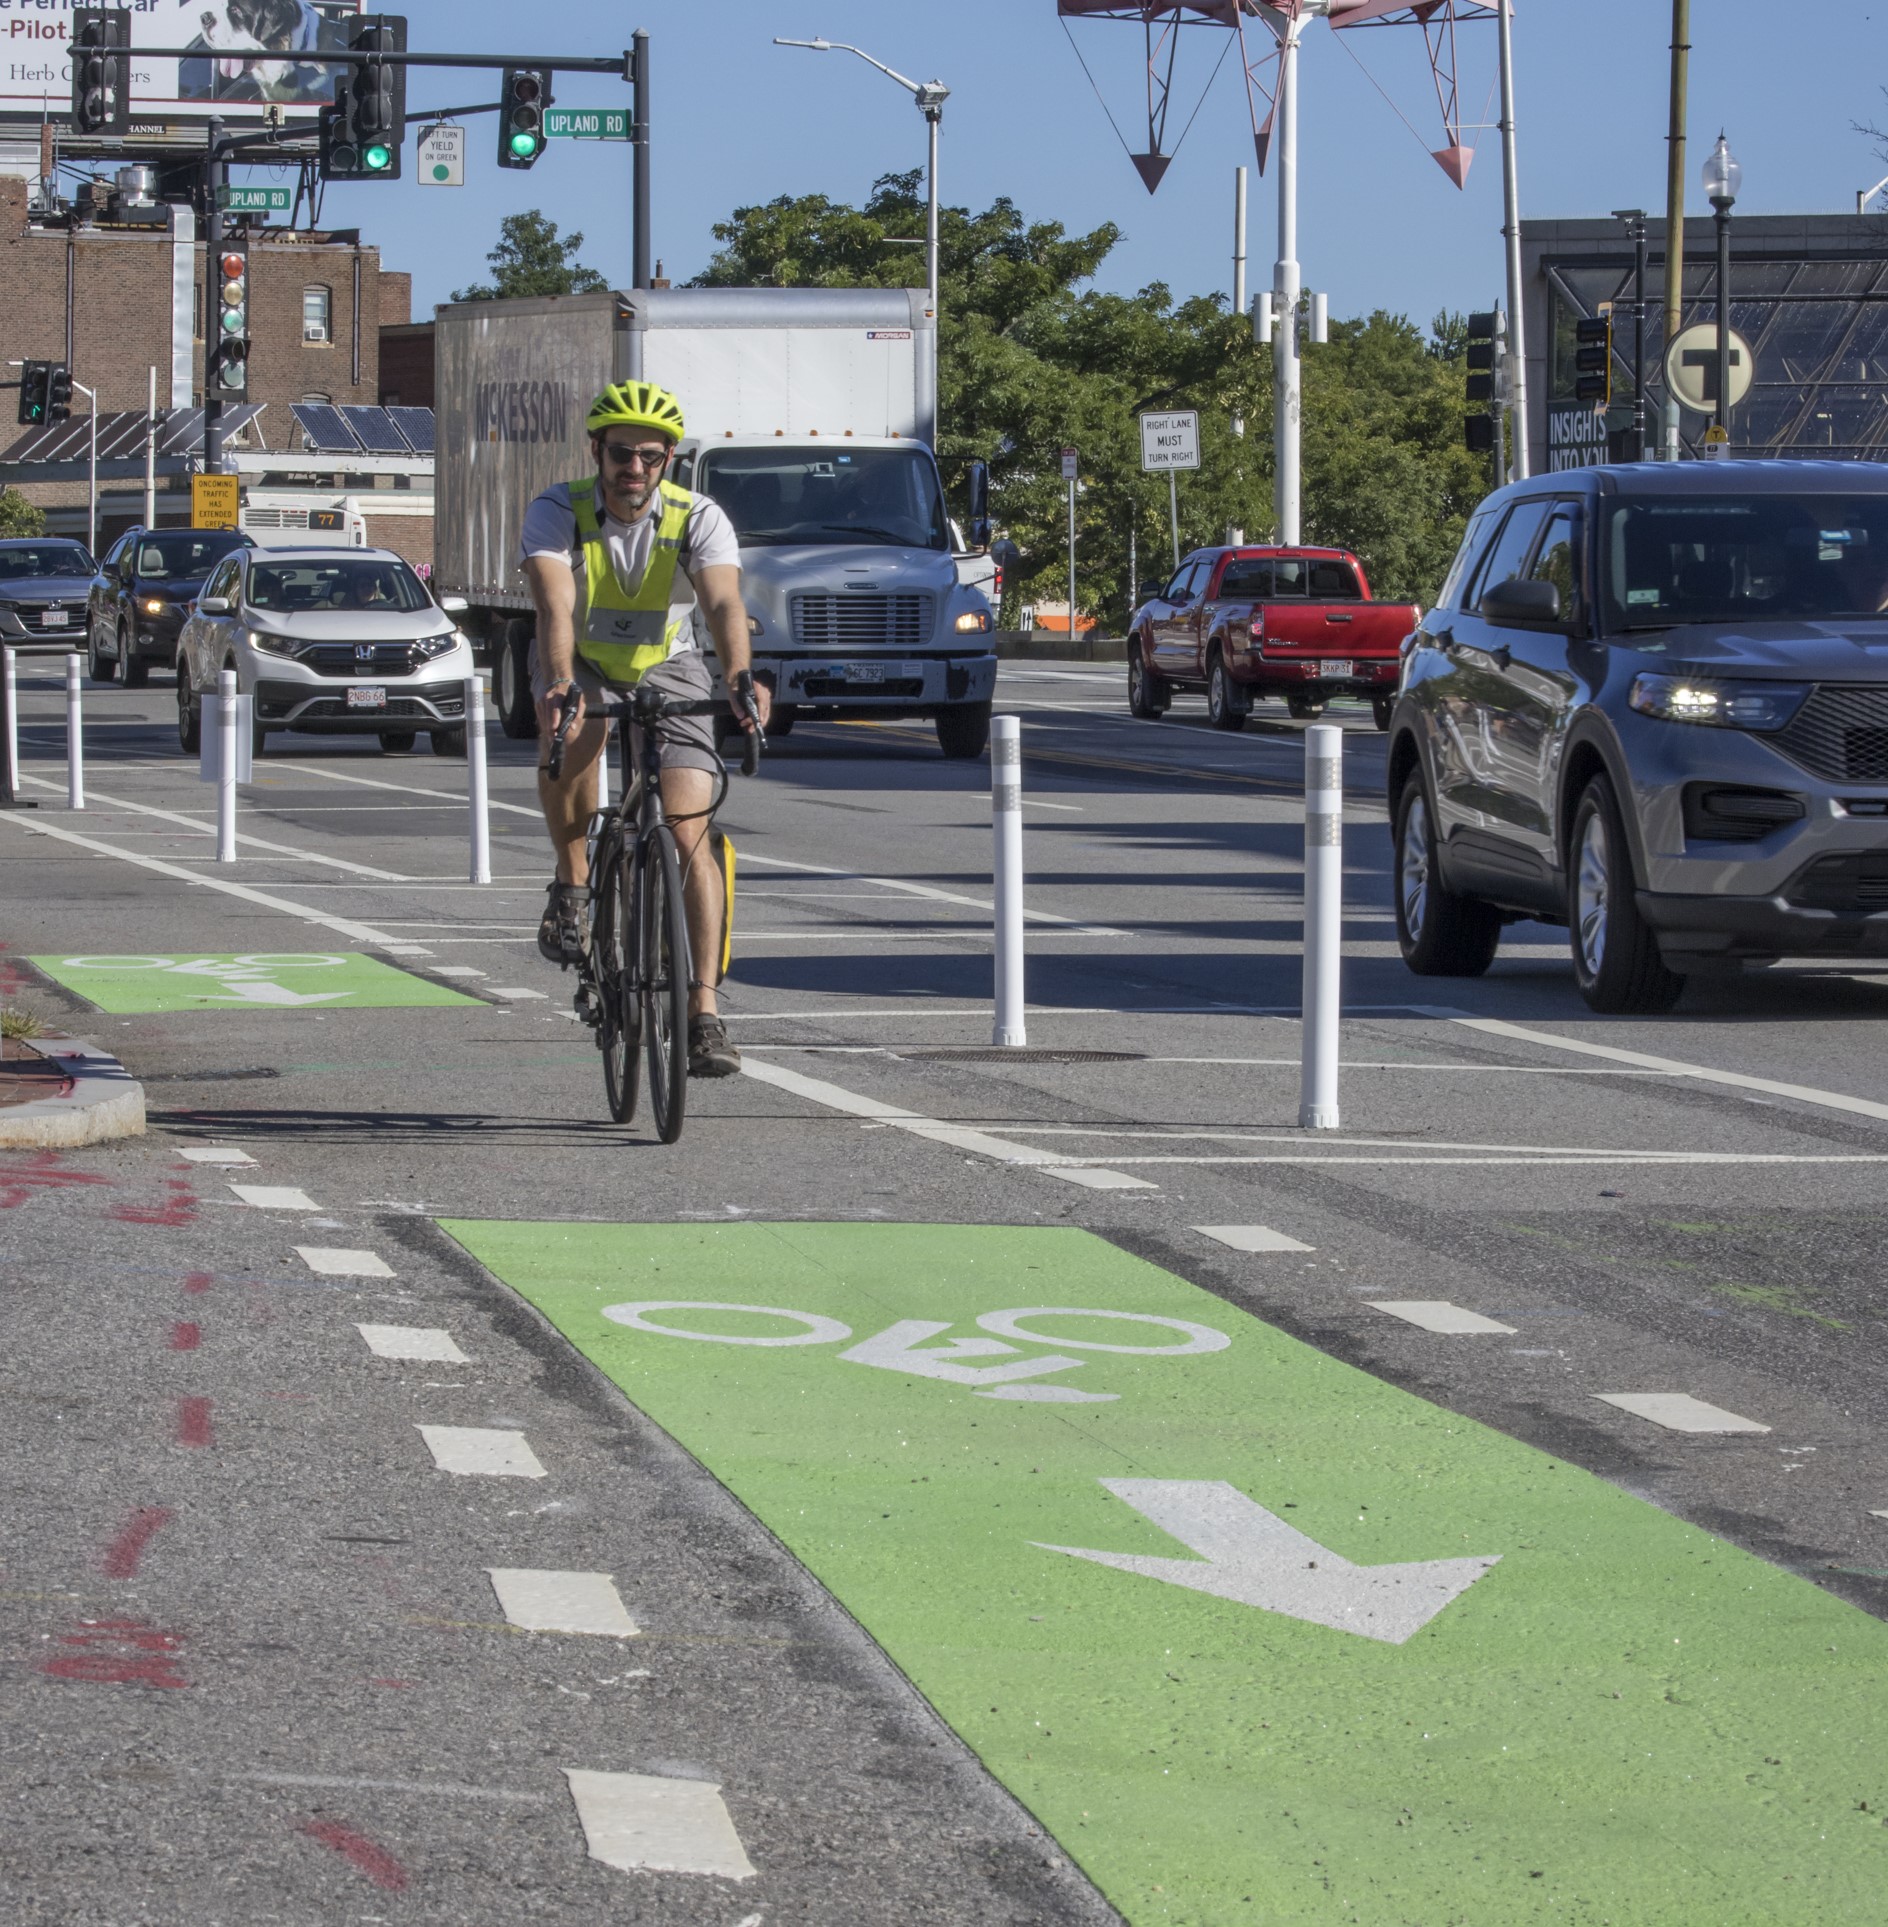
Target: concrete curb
(105, 1102)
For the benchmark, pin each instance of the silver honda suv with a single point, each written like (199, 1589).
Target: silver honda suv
(1651, 703)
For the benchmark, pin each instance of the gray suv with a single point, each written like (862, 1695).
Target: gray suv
(1651, 703)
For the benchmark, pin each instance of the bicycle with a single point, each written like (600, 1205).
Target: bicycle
(635, 975)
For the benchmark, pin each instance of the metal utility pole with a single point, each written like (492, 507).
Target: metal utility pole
(1239, 241)
(1287, 286)
(215, 181)
(1675, 204)
(1634, 218)
(150, 456)
(1072, 624)
(1722, 178)
(1511, 232)
(639, 242)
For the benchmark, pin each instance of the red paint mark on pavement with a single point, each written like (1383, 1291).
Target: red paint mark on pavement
(118, 1652)
(359, 1852)
(179, 1209)
(198, 1282)
(193, 1421)
(20, 1177)
(185, 1337)
(125, 1551)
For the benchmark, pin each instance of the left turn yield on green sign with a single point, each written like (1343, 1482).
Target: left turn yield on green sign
(264, 980)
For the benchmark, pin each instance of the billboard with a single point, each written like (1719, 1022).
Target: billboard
(241, 57)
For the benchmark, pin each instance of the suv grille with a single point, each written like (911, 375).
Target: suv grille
(32, 617)
(861, 621)
(339, 659)
(1841, 733)
(1855, 886)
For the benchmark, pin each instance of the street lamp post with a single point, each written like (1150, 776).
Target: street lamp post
(1634, 219)
(930, 96)
(1722, 178)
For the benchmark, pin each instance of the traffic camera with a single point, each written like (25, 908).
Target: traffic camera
(521, 108)
(1593, 359)
(101, 78)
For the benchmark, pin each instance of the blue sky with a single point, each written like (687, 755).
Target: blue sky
(739, 120)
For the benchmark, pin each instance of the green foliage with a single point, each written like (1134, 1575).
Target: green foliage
(1029, 363)
(531, 258)
(19, 1023)
(18, 516)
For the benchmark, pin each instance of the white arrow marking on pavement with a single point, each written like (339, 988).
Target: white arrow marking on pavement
(1254, 1558)
(277, 994)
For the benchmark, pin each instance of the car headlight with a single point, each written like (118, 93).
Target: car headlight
(974, 624)
(1723, 705)
(153, 606)
(430, 646)
(273, 645)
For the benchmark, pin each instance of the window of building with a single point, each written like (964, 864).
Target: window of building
(317, 314)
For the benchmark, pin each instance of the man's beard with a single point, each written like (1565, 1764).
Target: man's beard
(637, 495)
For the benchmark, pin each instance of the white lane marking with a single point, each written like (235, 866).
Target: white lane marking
(457, 970)
(1878, 1515)
(1591, 1159)
(334, 1262)
(517, 996)
(636, 1822)
(1466, 1070)
(224, 1154)
(341, 926)
(1438, 1315)
(1036, 803)
(1251, 1237)
(1098, 1180)
(1679, 1412)
(443, 1789)
(481, 1452)
(562, 1602)
(274, 1197)
(426, 1344)
(1736, 1080)
(932, 892)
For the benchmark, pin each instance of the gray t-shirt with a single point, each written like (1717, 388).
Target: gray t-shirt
(550, 528)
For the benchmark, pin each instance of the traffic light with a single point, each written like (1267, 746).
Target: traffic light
(1593, 359)
(362, 133)
(1480, 357)
(101, 77)
(521, 116)
(33, 401)
(58, 392)
(229, 358)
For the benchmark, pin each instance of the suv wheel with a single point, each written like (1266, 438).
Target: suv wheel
(98, 665)
(1616, 960)
(1224, 710)
(1380, 708)
(1148, 693)
(189, 716)
(137, 670)
(1440, 933)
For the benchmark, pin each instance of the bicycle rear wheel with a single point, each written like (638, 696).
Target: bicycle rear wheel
(666, 969)
(612, 951)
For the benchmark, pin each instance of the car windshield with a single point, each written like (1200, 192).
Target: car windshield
(1745, 558)
(187, 558)
(877, 496)
(44, 558)
(321, 587)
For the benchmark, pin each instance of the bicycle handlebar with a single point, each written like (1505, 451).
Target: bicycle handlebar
(644, 707)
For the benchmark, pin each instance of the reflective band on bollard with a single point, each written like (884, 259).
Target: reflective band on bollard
(227, 716)
(1006, 814)
(478, 790)
(1324, 924)
(75, 739)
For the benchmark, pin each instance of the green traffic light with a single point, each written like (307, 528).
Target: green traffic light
(524, 145)
(378, 157)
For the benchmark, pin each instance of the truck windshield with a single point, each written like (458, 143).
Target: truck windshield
(319, 587)
(1745, 558)
(884, 497)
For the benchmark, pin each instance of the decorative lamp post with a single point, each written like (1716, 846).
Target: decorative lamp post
(1722, 178)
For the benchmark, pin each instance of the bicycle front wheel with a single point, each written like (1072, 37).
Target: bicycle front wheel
(666, 969)
(621, 1031)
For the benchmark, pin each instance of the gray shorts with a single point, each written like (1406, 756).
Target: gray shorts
(688, 742)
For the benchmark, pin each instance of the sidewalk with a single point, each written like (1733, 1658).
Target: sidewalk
(56, 1092)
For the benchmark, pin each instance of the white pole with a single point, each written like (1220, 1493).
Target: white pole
(91, 517)
(1173, 510)
(226, 767)
(1288, 402)
(1511, 230)
(13, 718)
(1072, 649)
(478, 788)
(1324, 924)
(150, 456)
(1006, 813)
(75, 738)
(1239, 241)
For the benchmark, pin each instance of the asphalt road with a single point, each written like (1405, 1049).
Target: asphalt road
(259, 1669)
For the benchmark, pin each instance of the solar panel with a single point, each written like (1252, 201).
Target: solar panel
(121, 436)
(183, 429)
(416, 424)
(325, 427)
(376, 431)
(68, 438)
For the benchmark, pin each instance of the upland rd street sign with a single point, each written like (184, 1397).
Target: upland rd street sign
(587, 123)
(216, 501)
(441, 156)
(258, 200)
(1691, 367)
(1071, 464)
(1170, 441)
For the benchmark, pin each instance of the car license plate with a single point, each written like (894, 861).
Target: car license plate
(1339, 670)
(367, 696)
(53, 619)
(865, 672)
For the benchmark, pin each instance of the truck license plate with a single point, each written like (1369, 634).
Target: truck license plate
(1338, 670)
(367, 696)
(54, 619)
(865, 672)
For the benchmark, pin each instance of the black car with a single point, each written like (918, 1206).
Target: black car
(43, 584)
(142, 594)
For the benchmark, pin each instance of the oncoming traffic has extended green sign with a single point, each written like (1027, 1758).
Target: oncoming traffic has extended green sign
(263, 980)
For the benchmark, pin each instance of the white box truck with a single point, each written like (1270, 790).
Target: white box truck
(809, 421)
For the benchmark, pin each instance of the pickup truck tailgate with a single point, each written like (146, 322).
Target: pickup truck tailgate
(1361, 631)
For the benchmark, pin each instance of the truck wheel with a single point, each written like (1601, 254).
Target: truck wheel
(1148, 693)
(1616, 960)
(963, 731)
(1439, 933)
(511, 682)
(1224, 710)
(781, 722)
(1380, 707)
(1304, 709)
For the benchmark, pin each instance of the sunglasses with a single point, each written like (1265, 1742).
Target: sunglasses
(636, 457)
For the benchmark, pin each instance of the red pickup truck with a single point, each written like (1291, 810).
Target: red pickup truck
(1250, 622)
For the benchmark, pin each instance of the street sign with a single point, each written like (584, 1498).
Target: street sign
(1170, 441)
(1691, 367)
(257, 200)
(440, 156)
(587, 123)
(215, 501)
(1071, 464)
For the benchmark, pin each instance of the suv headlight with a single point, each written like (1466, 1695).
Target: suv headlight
(273, 645)
(1723, 705)
(430, 646)
(974, 624)
(154, 606)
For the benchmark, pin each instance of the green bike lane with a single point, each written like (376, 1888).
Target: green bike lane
(1254, 1634)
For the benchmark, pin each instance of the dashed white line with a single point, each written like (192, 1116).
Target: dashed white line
(274, 1197)
(636, 1822)
(1438, 1315)
(1679, 1412)
(1251, 1237)
(424, 1343)
(562, 1602)
(331, 1261)
(932, 892)
(1093, 1179)
(222, 1154)
(481, 1452)
(517, 996)
(457, 970)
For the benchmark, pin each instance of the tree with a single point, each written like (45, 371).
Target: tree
(532, 258)
(18, 516)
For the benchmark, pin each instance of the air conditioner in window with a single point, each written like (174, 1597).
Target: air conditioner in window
(313, 331)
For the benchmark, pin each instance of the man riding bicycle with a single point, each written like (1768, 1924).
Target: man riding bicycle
(617, 563)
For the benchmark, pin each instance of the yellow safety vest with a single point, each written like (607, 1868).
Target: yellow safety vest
(623, 634)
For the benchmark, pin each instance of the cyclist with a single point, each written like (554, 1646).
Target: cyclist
(618, 562)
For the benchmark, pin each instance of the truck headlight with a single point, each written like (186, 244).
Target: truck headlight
(974, 624)
(755, 627)
(1722, 705)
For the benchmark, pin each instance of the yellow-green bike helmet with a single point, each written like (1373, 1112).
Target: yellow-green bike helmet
(636, 404)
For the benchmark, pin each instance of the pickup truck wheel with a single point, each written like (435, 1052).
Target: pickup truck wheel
(511, 683)
(1148, 693)
(1304, 709)
(98, 665)
(1223, 707)
(963, 731)
(1380, 707)
(1616, 960)
(1440, 934)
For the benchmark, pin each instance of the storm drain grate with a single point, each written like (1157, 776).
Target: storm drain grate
(1000, 1055)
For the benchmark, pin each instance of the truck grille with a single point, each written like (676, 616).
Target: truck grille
(861, 621)
(1848, 885)
(1841, 733)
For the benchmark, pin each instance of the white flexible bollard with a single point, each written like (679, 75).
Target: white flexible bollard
(75, 738)
(1324, 925)
(227, 716)
(478, 786)
(1006, 814)
(13, 717)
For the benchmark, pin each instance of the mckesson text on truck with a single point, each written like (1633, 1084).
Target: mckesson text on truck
(809, 420)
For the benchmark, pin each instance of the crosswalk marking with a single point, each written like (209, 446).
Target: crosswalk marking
(636, 1822)
(274, 1197)
(1438, 1315)
(1251, 1237)
(562, 1602)
(515, 996)
(1679, 1412)
(481, 1452)
(1091, 1179)
(331, 1261)
(224, 1154)
(412, 1341)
